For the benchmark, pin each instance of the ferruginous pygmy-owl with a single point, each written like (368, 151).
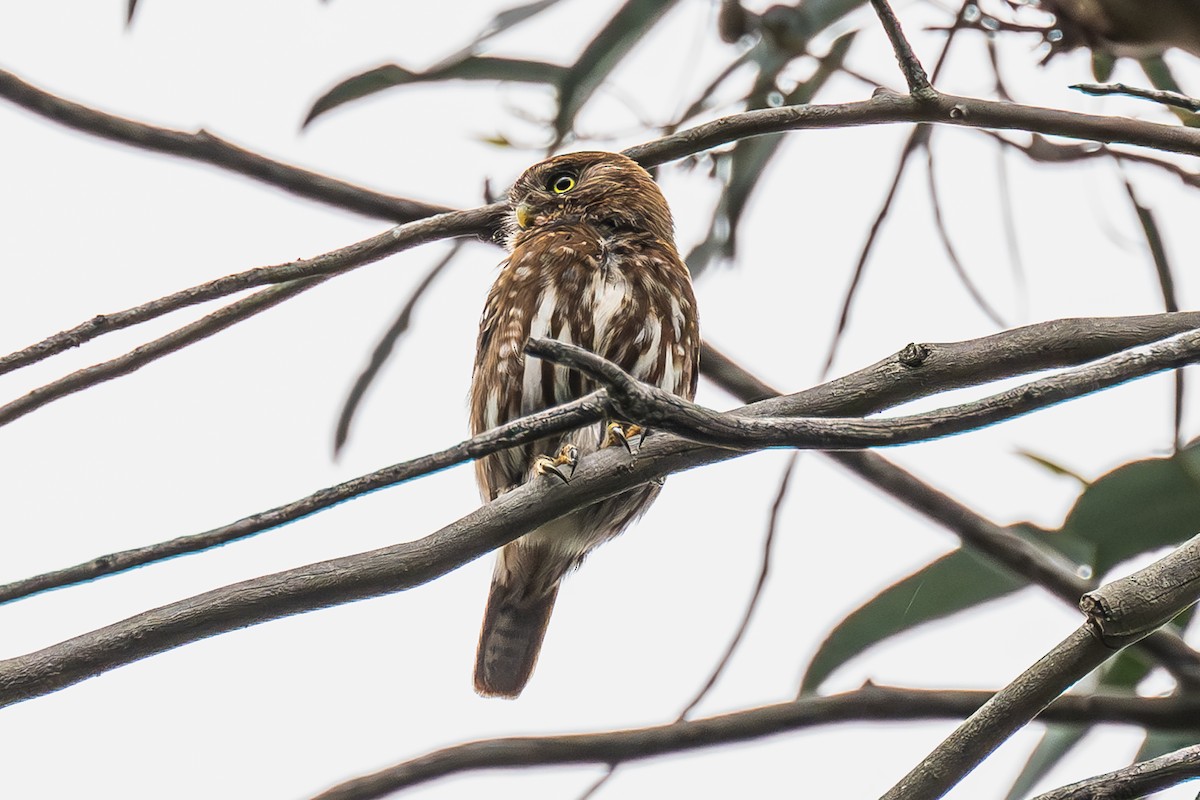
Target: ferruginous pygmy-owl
(593, 263)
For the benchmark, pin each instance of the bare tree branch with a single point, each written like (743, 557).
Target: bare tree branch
(914, 371)
(977, 532)
(1011, 551)
(918, 138)
(652, 406)
(887, 107)
(1124, 610)
(1136, 780)
(139, 357)
(205, 147)
(527, 429)
(1042, 150)
(392, 569)
(344, 259)
(884, 107)
(870, 703)
(917, 371)
(1119, 614)
(1002, 716)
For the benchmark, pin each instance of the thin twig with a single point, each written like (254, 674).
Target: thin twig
(599, 783)
(1011, 240)
(527, 429)
(914, 73)
(870, 703)
(1137, 780)
(1044, 151)
(1157, 95)
(759, 585)
(918, 138)
(383, 349)
(344, 259)
(139, 357)
(321, 269)
(952, 254)
(1166, 283)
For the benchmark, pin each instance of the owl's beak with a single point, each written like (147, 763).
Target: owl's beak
(524, 215)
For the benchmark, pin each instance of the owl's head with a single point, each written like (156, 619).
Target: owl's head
(605, 189)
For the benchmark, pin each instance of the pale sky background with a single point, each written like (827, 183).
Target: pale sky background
(243, 421)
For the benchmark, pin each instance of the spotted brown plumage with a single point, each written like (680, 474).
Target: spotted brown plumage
(593, 263)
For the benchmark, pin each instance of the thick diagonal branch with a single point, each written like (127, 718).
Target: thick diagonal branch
(1119, 614)
(403, 566)
(916, 371)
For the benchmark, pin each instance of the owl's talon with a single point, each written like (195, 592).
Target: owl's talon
(568, 456)
(624, 435)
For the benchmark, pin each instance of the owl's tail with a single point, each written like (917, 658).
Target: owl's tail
(513, 628)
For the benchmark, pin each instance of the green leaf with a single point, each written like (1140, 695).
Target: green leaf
(792, 27)
(1125, 670)
(633, 21)
(500, 23)
(1139, 507)
(1102, 65)
(956, 581)
(575, 84)
(1159, 743)
(1058, 740)
(470, 68)
(1054, 467)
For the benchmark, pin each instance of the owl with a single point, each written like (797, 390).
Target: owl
(593, 263)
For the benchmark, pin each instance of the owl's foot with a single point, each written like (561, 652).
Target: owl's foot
(567, 457)
(628, 436)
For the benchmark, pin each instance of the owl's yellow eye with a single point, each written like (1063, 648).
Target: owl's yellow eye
(562, 184)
